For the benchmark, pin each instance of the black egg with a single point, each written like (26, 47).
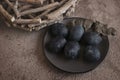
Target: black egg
(56, 45)
(59, 29)
(71, 49)
(76, 33)
(92, 38)
(92, 54)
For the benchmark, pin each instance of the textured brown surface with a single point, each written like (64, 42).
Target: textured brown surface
(22, 58)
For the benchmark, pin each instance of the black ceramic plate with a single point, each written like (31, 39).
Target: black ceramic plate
(77, 65)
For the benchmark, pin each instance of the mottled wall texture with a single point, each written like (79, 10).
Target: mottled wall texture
(22, 57)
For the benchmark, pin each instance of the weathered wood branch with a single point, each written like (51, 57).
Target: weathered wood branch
(39, 9)
(27, 21)
(14, 7)
(6, 15)
(61, 10)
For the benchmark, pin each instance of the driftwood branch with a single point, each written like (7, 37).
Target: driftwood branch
(39, 9)
(14, 7)
(61, 10)
(5, 14)
(45, 12)
(27, 21)
(30, 1)
(25, 7)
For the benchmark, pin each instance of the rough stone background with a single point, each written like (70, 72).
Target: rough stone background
(22, 57)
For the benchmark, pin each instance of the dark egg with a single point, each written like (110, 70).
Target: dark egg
(92, 38)
(55, 45)
(58, 29)
(92, 54)
(72, 49)
(76, 33)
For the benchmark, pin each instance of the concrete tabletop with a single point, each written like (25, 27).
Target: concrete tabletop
(22, 56)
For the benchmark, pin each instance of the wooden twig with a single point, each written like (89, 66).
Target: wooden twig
(27, 21)
(61, 10)
(33, 1)
(45, 12)
(6, 15)
(38, 24)
(9, 3)
(62, 2)
(25, 7)
(31, 16)
(39, 9)
(13, 7)
(16, 8)
(52, 1)
(48, 23)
